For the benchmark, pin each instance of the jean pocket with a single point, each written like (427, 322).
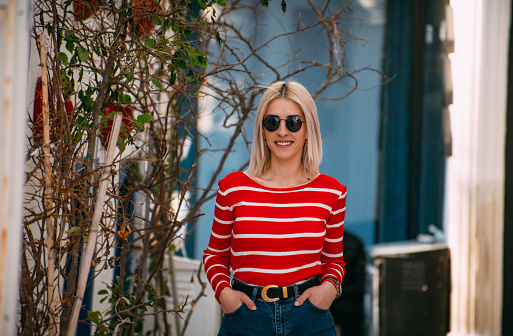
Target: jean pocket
(236, 311)
(314, 307)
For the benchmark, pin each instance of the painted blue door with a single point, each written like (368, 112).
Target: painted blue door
(412, 131)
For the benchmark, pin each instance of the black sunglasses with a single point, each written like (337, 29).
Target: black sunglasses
(272, 123)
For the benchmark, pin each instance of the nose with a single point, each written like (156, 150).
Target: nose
(282, 129)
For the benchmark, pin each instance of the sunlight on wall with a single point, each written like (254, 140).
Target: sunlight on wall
(475, 174)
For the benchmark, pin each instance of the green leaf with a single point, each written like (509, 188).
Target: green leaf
(139, 326)
(114, 95)
(265, 3)
(144, 118)
(83, 54)
(156, 82)
(94, 316)
(202, 4)
(172, 80)
(103, 292)
(49, 29)
(81, 122)
(219, 39)
(150, 42)
(124, 99)
(203, 61)
(283, 6)
(166, 291)
(180, 63)
(73, 59)
(103, 49)
(64, 58)
(59, 36)
(178, 42)
(95, 48)
(74, 230)
(121, 144)
(193, 60)
(70, 46)
(87, 103)
(195, 52)
(221, 3)
(156, 21)
(186, 31)
(138, 30)
(70, 37)
(189, 78)
(77, 136)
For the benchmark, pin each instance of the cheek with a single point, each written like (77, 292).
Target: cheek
(304, 134)
(305, 130)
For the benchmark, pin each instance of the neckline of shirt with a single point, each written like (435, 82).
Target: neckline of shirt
(285, 188)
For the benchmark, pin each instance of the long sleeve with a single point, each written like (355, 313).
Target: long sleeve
(216, 259)
(332, 255)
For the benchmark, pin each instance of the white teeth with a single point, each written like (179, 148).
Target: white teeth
(283, 143)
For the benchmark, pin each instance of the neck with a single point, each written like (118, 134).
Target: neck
(286, 175)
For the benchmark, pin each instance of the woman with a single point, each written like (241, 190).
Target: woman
(278, 227)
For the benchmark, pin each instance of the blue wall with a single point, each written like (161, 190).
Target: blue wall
(350, 127)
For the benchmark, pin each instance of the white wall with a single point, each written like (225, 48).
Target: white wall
(475, 175)
(14, 39)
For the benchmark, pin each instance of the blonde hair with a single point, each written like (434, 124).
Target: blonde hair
(260, 159)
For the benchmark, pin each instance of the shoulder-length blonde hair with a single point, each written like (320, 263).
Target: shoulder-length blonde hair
(260, 159)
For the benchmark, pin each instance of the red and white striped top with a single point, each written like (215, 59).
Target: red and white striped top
(276, 236)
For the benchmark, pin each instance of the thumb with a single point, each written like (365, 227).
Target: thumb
(248, 302)
(302, 298)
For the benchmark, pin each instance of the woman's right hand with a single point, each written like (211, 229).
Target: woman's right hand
(231, 300)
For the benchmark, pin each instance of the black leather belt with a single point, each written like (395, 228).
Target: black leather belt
(271, 293)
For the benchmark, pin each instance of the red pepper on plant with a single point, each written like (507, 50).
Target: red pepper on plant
(128, 116)
(88, 6)
(55, 119)
(142, 11)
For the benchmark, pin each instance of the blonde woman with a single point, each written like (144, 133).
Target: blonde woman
(278, 227)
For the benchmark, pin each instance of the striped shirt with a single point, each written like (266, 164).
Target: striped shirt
(276, 236)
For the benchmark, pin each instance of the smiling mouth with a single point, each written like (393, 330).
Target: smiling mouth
(283, 143)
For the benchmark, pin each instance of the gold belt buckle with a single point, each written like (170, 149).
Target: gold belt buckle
(267, 299)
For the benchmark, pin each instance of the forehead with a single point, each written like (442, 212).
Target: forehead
(284, 107)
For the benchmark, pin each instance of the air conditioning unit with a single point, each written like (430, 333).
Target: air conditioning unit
(411, 289)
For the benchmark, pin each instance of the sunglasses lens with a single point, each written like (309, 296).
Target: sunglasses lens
(294, 123)
(271, 123)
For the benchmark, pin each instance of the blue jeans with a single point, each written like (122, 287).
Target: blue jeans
(279, 318)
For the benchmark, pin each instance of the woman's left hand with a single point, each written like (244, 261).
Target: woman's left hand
(321, 296)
